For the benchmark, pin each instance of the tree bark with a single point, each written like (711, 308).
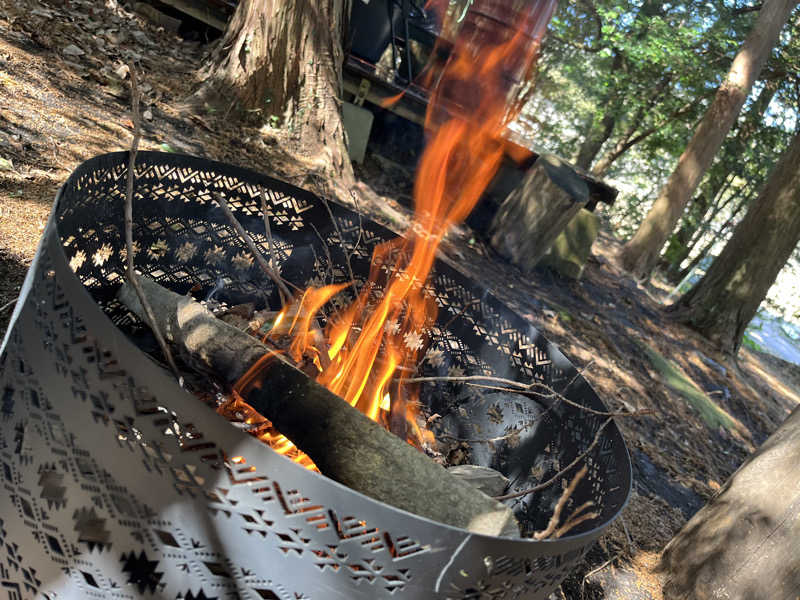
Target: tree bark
(745, 543)
(704, 208)
(640, 254)
(722, 303)
(280, 61)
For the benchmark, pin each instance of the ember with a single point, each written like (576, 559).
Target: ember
(382, 333)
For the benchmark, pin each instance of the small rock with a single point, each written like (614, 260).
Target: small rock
(147, 115)
(122, 71)
(484, 479)
(73, 50)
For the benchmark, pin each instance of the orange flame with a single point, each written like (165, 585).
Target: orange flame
(382, 333)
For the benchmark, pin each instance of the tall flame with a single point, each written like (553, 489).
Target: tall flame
(382, 333)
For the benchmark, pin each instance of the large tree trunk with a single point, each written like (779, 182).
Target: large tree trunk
(745, 543)
(722, 303)
(640, 254)
(280, 61)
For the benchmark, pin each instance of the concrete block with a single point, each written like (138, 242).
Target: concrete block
(573, 245)
(357, 122)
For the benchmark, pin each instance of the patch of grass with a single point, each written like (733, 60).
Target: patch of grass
(749, 342)
(713, 415)
(564, 316)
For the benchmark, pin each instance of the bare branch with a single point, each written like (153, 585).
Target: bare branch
(268, 231)
(555, 518)
(8, 305)
(131, 269)
(245, 237)
(557, 476)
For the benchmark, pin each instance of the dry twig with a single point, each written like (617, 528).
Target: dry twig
(561, 473)
(8, 305)
(552, 529)
(131, 269)
(516, 387)
(268, 231)
(245, 237)
(350, 273)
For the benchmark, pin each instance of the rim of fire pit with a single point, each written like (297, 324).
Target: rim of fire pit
(53, 251)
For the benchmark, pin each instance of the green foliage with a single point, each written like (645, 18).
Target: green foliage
(750, 343)
(654, 68)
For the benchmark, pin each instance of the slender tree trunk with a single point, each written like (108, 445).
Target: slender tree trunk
(707, 203)
(722, 303)
(640, 254)
(717, 235)
(280, 62)
(600, 131)
(696, 221)
(594, 140)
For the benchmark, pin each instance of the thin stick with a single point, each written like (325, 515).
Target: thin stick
(341, 243)
(245, 237)
(517, 387)
(327, 251)
(268, 230)
(561, 398)
(558, 475)
(562, 502)
(354, 196)
(8, 305)
(131, 269)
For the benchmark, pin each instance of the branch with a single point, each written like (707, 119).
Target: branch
(268, 230)
(576, 518)
(557, 476)
(131, 269)
(245, 237)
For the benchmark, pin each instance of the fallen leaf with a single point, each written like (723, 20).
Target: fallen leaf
(6, 165)
(73, 50)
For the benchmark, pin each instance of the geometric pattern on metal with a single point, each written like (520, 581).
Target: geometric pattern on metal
(120, 484)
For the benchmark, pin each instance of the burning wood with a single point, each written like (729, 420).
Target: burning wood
(344, 443)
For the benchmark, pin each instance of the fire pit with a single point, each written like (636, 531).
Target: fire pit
(122, 484)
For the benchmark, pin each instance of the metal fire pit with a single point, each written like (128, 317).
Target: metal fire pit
(117, 483)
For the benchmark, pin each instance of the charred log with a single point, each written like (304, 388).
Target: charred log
(346, 445)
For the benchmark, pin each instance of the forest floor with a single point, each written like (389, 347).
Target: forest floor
(62, 101)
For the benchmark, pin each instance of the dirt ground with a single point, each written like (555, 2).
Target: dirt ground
(62, 101)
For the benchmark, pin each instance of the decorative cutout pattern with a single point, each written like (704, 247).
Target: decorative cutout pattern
(120, 483)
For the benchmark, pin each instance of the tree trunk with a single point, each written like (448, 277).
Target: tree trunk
(745, 543)
(281, 61)
(640, 254)
(600, 131)
(704, 208)
(722, 303)
(594, 140)
(717, 235)
(696, 222)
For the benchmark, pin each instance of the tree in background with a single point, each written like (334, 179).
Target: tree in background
(281, 62)
(641, 253)
(625, 72)
(744, 162)
(726, 299)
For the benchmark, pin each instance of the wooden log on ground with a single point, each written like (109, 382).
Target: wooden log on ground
(745, 543)
(531, 217)
(345, 444)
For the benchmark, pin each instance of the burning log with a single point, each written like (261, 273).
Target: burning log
(344, 444)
